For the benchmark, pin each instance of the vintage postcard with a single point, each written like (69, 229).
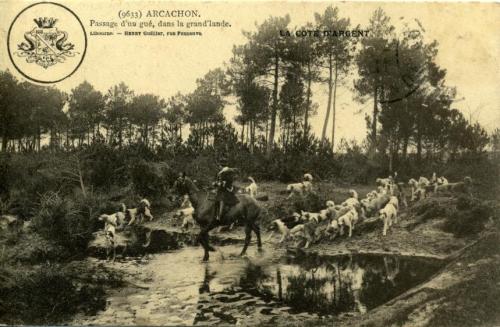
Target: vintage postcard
(249, 163)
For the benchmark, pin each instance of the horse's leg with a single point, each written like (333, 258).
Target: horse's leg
(209, 247)
(256, 229)
(203, 239)
(248, 237)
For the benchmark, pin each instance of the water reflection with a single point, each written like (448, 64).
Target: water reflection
(258, 289)
(313, 284)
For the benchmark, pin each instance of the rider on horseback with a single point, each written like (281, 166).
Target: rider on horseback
(225, 188)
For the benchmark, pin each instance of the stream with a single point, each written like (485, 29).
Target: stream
(181, 290)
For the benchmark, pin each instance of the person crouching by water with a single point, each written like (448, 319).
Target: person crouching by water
(225, 188)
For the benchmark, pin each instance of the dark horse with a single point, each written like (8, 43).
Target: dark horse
(247, 211)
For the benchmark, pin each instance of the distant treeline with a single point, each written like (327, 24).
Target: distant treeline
(270, 77)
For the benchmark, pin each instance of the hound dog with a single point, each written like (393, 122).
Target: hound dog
(110, 224)
(462, 187)
(401, 194)
(388, 214)
(371, 207)
(417, 191)
(371, 195)
(293, 233)
(187, 217)
(252, 188)
(282, 228)
(333, 229)
(434, 178)
(308, 187)
(308, 177)
(349, 220)
(300, 188)
(353, 202)
(394, 201)
(383, 181)
(423, 181)
(295, 189)
(387, 184)
(284, 225)
(310, 216)
(442, 181)
(381, 190)
(144, 209)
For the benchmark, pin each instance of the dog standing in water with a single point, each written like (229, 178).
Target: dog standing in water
(110, 224)
(186, 213)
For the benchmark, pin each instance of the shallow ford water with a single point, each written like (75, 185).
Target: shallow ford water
(258, 288)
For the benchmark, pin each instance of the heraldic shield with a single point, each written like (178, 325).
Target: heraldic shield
(45, 44)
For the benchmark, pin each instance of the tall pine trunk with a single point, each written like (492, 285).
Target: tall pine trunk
(334, 103)
(120, 133)
(274, 108)
(419, 136)
(374, 121)
(38, 137)
(308, 100)
(329, 105)
(251, 126)
(405, 148)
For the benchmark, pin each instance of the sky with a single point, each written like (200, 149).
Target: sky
(469, 45)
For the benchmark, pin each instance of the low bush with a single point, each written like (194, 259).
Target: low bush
(469, 219)
(433, 208)
(51, 293)
(311, 202)
(67, 221)
(151, 178)
(31, 248)
(463, 216)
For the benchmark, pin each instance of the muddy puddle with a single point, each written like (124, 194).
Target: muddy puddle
(256, 289)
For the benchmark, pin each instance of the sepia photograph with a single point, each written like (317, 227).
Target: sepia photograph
(249, 163)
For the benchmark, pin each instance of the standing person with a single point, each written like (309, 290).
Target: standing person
(180, 186)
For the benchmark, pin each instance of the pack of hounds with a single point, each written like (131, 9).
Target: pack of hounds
(384, 203)
(124, 217)
(332, 221)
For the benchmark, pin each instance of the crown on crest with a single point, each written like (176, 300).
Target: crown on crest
(45, 22)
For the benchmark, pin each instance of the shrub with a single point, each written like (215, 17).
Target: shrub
(151, 178)
(469, 219)
(311, 202)
(105, 166)
(432, 209)
(66, 221)
(51, 294)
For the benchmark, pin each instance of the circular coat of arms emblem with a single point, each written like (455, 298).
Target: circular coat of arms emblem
(46, 42)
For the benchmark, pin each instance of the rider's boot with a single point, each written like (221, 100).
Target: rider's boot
(221, 208)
